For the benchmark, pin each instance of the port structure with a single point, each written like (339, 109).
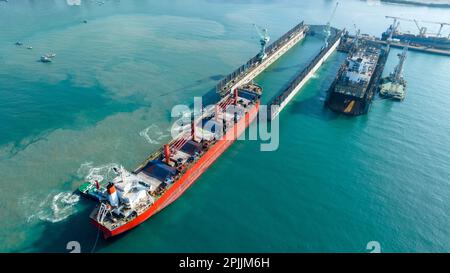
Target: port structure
(284, 97)
(398, 71)
(256, 65)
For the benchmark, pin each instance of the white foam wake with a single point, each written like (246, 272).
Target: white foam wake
(62, 206)
(73, 2)
(90, 173)
(156, 134)
(54, 208)
(59, 206)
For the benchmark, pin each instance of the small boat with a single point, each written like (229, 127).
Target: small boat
(29, 47)
(46, 59)
(18, 43)
(395, 90)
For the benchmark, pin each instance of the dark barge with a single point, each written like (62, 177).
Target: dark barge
(355, 85)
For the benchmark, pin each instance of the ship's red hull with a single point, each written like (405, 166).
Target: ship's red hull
(189, 177)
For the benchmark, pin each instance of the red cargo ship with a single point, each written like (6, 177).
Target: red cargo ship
(133, 197)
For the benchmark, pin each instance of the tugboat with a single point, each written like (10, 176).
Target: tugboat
(93, 190)
(394, 86)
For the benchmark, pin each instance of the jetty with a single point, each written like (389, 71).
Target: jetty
(255, 66)
(278, 103)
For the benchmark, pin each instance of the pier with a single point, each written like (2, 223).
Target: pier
(255, 66)
(278, 103)
(247, 72)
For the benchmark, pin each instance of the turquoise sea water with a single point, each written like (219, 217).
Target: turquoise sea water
(334, 184)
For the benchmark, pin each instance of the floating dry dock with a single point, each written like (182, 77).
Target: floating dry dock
(295, 85)
(255, 66)
(247, 72)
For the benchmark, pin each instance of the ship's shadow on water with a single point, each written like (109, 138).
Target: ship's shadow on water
(314, 105)
(194, 85)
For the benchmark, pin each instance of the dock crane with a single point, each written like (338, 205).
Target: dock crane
(392, 29)
(264, 38)
(357, 32)
(327, 30)
(397, 76)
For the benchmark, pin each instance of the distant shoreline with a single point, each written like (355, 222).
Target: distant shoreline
(417, 3)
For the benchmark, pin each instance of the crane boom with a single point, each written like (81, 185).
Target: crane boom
(333, 13)
(327, 29)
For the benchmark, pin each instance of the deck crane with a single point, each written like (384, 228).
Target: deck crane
(264, 38)
(442, 24)
(422, 30)
(328, 26)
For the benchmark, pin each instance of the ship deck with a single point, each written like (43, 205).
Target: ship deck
(354, 78)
